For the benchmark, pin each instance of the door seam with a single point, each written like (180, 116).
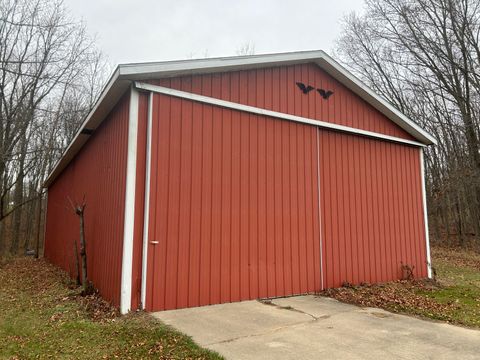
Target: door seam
(319, 211)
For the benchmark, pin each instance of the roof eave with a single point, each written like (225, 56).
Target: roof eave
(110, 94)
(210, 65)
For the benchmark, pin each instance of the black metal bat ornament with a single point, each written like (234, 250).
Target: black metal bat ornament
(325, 93)
(305, 88)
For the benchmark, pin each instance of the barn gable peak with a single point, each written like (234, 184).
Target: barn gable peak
(126, 74)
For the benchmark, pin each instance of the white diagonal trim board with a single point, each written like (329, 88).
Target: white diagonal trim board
(270, 113)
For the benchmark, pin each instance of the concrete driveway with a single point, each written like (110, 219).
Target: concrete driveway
(309, 327)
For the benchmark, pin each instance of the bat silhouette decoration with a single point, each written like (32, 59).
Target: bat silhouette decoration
(305, 88)
(325, 93)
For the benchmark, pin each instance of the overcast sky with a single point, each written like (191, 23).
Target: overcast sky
(157, 30)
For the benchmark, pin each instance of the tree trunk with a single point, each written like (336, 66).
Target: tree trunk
(77, 263)
(80, 210)
(2, 238)
(37, 241)
(18, 198)
(31, 227)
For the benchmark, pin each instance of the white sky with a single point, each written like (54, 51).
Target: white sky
(157, 30)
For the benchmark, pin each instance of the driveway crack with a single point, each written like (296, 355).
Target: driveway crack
(271, 303)
(269, 331)
(273, 330)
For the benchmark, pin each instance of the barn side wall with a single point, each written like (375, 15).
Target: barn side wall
(372, 210)
(275, 89)
(98, 174)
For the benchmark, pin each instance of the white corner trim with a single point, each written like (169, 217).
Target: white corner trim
(129, 219)
(146, 210)
(425, 214)
(275, 114)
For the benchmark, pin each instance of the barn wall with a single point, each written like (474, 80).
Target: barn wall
(275, 89)
(234, 206)
(97, 173)
(372, 209)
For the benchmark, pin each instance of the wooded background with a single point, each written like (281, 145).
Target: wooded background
(50, 75)
(421, 55)
(424, 57)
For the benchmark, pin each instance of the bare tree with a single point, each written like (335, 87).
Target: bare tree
(50, 75)
(247, 48)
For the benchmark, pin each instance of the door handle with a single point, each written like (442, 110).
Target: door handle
(153, 242)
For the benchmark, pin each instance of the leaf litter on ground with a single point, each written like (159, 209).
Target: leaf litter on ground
(453, 297)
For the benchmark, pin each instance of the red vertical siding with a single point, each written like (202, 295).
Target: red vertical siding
(98, 174)
(275, 89)
(372, 212)
(225, 193)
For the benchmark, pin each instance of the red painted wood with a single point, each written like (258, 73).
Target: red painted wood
(226, 204)
(263, 266)
(275, 89)
(372, 210)
(270, 208)
(98, 172)
(229, 236)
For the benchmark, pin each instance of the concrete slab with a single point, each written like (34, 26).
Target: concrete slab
(225, 322)
(312, 327)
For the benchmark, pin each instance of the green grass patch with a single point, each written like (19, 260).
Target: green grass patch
(43, 317)
(459, 286)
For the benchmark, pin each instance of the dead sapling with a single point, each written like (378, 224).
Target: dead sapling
(407, 272)
(77, 262)
(79, 210)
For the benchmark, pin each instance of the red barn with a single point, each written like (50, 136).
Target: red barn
(220, 180)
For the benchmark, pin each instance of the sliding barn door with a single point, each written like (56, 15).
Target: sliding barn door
(234, 206)
(372, 209)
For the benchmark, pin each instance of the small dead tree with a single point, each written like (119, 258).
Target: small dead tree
(407, 272)
(77, 263)
(79, 210)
